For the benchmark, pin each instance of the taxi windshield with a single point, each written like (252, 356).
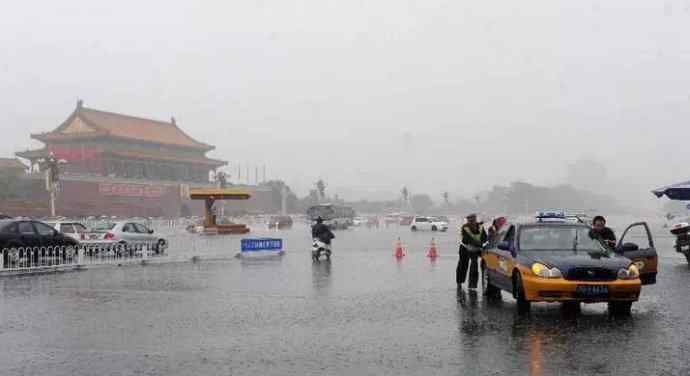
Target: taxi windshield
(558, 238)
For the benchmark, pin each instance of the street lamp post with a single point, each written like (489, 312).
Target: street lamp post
(51, 166)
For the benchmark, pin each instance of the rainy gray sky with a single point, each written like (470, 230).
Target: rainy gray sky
(371, 95)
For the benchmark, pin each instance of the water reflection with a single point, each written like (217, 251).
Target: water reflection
(321, 276)
(548, 340)
(260, 259)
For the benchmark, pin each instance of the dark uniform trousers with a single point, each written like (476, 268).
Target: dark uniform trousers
(468, 260)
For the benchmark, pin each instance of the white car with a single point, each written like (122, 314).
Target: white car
(428, 224)
(74, 230)
(133, 233)
(359, 221)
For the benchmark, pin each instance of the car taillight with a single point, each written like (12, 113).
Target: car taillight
(109, 236)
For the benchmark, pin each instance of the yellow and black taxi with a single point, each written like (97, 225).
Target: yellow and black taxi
(556, 260)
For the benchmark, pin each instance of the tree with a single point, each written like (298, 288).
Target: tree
(222, 179)
(312, 199)
(321, 188)
(405, 194)
(9, 186)
(276, 197)
(421, 203)
(524, 198)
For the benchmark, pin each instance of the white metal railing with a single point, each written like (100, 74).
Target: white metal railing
(25, 259)
(178, 247)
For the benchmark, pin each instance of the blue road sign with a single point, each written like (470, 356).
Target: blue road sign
(262, 244)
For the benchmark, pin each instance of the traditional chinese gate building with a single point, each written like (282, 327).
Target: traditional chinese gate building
(123, 165)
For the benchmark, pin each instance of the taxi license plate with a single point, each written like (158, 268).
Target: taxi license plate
(592, 291)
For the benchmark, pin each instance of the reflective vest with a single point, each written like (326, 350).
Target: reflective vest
(478, 236)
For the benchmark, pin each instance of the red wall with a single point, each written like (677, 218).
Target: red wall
(82, 158)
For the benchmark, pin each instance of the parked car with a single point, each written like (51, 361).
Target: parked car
(127, 233)
(359, 221)
(428, 224)
(74, 230)
(280, 222)
(25, 243)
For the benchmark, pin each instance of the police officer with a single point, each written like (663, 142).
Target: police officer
(473, 238)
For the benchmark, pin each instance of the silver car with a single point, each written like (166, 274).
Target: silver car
(74, 230)
(134, 233)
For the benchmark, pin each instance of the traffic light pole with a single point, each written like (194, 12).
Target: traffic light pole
(52, 201)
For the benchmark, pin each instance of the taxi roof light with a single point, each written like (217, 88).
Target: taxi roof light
(550, 216)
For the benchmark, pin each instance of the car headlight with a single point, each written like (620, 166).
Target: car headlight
(631, 273)
(544, 271)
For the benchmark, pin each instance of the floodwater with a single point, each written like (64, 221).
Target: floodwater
(363, 313)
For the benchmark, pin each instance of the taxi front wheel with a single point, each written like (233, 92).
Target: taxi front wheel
(523, 304)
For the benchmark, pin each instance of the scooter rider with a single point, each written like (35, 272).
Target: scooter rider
(473, 238)
(321, 232)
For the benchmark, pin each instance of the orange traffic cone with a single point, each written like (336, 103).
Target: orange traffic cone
(399, 252)
(433, 250)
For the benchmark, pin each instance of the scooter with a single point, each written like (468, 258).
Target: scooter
(320, 248)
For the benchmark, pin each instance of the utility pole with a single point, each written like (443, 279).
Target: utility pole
(50, 186)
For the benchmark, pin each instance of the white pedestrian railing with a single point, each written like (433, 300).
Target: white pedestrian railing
(24, 259)
(178, 247)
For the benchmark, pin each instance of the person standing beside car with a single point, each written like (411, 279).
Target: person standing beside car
(472, 237)
(602, 233)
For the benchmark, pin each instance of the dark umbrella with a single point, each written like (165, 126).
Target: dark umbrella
(680, 191)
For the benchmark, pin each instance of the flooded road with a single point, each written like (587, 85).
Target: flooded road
(363, 313)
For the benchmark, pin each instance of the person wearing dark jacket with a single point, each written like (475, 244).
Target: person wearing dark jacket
(495, 227)
(473, 238)
(321, 232)
(602, 233)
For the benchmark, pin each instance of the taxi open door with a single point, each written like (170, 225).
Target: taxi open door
(637, 244)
